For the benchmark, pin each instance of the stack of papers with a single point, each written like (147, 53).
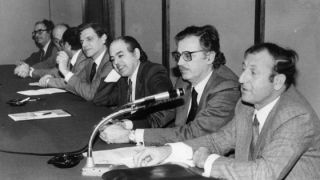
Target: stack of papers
(41, 91)
(39, 115)
(125, 155)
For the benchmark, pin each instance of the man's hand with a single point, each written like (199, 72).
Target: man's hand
(22, 70)
(200, 156)
(43, 82)
(152, 156)
(63, 60)
(114, 133)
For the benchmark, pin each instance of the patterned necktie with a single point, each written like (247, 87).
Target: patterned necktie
(93, 71)
(41, 55)
(194, 106)
(129, 93)
(255, 133)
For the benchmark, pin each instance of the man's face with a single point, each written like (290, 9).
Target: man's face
(92, 44)
(195, 70)
(124, 62)
(41, 37)
(256, 87)
(57, 34)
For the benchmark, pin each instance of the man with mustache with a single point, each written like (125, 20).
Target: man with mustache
(93, 38)
(212, 91)
(275, 133)
(45, 57)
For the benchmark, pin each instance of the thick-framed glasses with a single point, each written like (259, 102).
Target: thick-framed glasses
(186, 55)
(58, 41)
(38, 32)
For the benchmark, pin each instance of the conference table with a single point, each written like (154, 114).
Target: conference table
(55, 135)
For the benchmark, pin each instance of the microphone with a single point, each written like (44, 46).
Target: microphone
(161, 96)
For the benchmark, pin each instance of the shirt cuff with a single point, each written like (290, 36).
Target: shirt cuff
(139, 136)
(208, 164)
(31, 71)
(180, 151)
(128, 124)
(68, 76)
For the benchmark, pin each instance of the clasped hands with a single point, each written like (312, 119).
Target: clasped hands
(22, 69)
(114, 133)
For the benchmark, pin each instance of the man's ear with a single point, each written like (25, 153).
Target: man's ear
(104, 38)
(211, 56)
(278, 81)
(137, 54)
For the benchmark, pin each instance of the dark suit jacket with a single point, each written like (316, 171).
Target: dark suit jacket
(80, 84)
(58, 80)
(152, 79)
(215, 109)
(35, 57)
(288, 146)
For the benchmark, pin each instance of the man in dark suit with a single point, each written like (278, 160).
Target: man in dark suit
(212, 91)
(275, 132)
(146, 78)
(72, 53)
(93, 38)
(42, 37)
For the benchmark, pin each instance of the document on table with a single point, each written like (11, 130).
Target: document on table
(44, 114)
(125, 156)
(41, 91)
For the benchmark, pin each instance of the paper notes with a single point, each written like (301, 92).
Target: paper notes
(41, 91)
(125, 156)
(44, 114)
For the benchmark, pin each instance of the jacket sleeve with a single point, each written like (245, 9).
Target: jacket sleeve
(217, 112)
(48, 63)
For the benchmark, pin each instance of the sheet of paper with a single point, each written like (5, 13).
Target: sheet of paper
(34, 84)
(125, 156)
(41, 91)
(44, 114)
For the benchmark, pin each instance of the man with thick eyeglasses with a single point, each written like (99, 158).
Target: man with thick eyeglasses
(42, 37)
(212, 91)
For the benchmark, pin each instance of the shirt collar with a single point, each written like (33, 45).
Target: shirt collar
(133, 77)
(263, 113)
(75, 57)
(99, 58)
(200, 86)
(45, 48)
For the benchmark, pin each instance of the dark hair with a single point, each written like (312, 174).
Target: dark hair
(285, 60)
(132, 44)
(48, 24)
(209, 41)
(98, 29)
(70, 36)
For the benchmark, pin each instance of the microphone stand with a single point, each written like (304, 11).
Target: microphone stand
(90, 169)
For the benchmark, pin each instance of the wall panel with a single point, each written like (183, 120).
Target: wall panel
(296, 24)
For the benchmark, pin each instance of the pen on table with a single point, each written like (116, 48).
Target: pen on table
(46, 113)
(36, 99)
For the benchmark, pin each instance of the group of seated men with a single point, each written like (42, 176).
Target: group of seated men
(257, 126)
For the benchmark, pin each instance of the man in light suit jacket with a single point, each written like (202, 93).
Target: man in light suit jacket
(147, 78)
(201, 64)
(275, 132)
(93, 38)
(72, 53)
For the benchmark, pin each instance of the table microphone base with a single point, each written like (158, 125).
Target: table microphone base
(97, 170)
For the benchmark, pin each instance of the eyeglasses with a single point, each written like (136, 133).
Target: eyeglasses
(39, 32)
(58, 41)
(186, 55)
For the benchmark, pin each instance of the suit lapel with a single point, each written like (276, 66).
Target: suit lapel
(139, 82)
(244, 133)
(182, 113)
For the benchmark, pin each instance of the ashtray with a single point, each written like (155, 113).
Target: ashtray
(18, 102)
(66, 160)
